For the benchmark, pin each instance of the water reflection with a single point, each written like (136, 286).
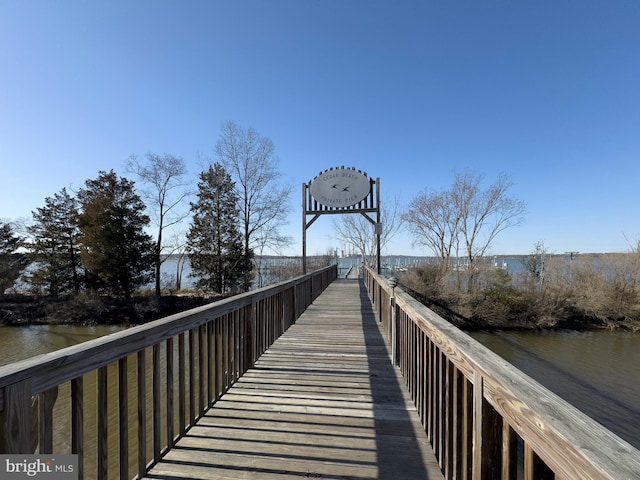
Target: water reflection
(595, 371)
(19, 343)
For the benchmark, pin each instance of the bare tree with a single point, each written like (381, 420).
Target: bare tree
(484, 213)
(263, 199)
(465, 215)
(164, 192)
(434, 222)
(268, 239)
(357, 231)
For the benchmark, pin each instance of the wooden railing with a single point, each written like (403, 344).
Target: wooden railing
(484, 418)
(152, 382)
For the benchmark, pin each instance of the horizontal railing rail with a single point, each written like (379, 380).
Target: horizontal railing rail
(485, 418)
(122, 400)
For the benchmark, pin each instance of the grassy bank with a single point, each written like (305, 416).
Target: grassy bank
(590, 292)
(92, 309)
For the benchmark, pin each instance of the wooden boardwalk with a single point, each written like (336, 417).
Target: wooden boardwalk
(322, 402)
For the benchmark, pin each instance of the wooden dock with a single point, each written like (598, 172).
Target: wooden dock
(302, 386)
(323, 402)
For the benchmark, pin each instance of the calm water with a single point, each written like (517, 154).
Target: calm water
(389, 264)
(18, 343)
(598, 372)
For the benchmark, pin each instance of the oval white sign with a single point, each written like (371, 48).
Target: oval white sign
(340, 187)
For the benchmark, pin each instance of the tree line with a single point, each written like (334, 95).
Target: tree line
(96, 238)
(457, 226)
(454, 224)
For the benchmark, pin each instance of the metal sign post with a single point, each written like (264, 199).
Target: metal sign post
(339, 191)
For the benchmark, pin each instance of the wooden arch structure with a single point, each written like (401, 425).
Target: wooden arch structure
(315, 202)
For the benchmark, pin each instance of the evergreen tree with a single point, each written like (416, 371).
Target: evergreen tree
(11, 263)
(214, 241)
(116, 252)
(55, 251)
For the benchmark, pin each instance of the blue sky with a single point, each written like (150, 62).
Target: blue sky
(547, 92)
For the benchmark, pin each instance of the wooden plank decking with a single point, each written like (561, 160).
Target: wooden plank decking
(322, 402)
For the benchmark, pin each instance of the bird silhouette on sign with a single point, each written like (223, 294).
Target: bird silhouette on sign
(334, 186)
(345, 189)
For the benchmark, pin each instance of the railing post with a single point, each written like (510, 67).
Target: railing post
(46, 401)
(487, 435)
(77, 422)
(251, 336)
(477, 427)
(16, 418)
(393, 282)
